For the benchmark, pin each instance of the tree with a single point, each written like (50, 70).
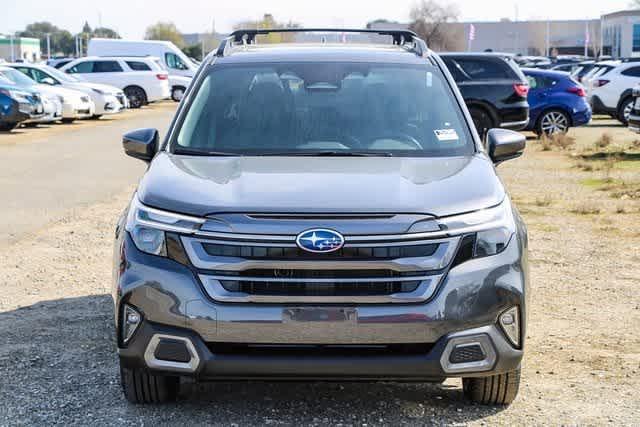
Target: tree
(62, 42)
(429, 19)
(269, 22)
(105, 33)
(165, 31)
(86, 29)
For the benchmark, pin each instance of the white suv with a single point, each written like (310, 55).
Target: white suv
(611, 91)
(140, 87)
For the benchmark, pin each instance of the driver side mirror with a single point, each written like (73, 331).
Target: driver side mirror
(503, 145)
(141, 143)
(48, 81)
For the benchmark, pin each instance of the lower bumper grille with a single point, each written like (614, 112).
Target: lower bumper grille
(319, 289)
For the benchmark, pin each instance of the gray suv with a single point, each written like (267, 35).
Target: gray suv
(321, 212)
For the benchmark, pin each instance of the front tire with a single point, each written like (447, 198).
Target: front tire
(499, 389)
(177, 93)
(136, 95)
(553, 121)
(67, 121)
(7, 127)
(140, 386)
(625, 110)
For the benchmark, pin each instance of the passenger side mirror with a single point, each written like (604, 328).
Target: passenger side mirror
(504, 145)
(141, 143)
(48, 81)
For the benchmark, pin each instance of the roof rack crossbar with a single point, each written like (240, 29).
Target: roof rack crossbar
(248, 36)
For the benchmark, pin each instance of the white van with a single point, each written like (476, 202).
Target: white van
(174, 60)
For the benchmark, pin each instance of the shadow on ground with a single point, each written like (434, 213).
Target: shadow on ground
(58, 364)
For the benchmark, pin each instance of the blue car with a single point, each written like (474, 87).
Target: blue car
(17, 105)
(556, 102)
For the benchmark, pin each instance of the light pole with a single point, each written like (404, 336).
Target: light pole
(48, 46)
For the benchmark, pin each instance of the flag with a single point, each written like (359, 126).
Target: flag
(472, 32)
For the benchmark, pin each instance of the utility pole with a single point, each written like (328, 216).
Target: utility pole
(13, 55)
(48, 46)
(548, 39)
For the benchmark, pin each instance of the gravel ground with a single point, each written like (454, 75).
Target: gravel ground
(58, 361)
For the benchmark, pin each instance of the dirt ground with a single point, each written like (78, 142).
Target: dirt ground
(582, 365)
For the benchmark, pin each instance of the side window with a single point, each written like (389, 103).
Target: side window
(533, 82)
(485, 68)
(138, 66)
(456, 71)
(632, 72)
(27, 72)
(106, 67)
(81, 68)
(39, 76)
(173, 61)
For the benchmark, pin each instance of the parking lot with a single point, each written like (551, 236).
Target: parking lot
(66, 186)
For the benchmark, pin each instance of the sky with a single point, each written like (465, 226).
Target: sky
(131, 17)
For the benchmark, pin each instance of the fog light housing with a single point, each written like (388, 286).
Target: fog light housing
(131, 319)
(510, 323)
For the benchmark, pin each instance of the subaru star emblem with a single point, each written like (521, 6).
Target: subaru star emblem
(320, 240)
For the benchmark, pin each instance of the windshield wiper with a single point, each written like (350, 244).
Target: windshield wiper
(330, 153)
(193, 152)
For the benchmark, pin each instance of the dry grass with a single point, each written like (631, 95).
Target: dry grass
(608, 164)
(585, 209)
(635, 144)
(604, 141)
(620, 209)
(563, 141)
(584, 166)
(544, 201)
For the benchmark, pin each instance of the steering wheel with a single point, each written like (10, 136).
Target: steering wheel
(400, 136)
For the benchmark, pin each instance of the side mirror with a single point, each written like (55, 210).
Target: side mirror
(141, 143)
(48, 81)
(504, 144)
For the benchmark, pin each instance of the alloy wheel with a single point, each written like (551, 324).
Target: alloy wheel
(554, 122)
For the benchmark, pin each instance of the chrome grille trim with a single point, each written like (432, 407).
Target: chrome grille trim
(321, 280)
(423, 292)
(203, 261)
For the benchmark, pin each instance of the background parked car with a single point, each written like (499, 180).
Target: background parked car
(17, 105)
(50, 102)
(107, 99)
(74, 104)
(493, 87)
(172, 58)
(611, 91)
(556, 102)
(59, 62)
(634, 117)
(178, 84)
(601, 68)
(140, 87)
(581, 69)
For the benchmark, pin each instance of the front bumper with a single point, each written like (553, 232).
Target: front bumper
(468, 301)
(77, 110)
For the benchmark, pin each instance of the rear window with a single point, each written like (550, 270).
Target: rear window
(304, 108)
(138, 66)
(464, 69)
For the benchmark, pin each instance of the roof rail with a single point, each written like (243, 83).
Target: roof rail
(248, 36)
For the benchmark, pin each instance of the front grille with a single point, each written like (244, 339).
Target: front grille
(291, 252)
(319, 274)
(467, 353)
(324, 289)
(316, 350)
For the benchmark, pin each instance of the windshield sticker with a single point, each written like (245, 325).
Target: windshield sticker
(446, 134)
(429, 79)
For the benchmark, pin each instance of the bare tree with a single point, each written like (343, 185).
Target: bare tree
(429, 19)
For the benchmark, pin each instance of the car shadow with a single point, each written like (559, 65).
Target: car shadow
(59, 362)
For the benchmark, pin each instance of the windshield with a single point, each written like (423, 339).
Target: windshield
(57, 74)
(16, 77)
(326, 108)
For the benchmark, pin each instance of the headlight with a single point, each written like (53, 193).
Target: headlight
(16, 95)
(98, 91)
(486, 232)
(147, 227)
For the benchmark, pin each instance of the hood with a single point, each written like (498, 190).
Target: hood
(203, 186)
(112, 90)
(57, 90)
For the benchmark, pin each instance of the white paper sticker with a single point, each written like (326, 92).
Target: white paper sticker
(446, 134)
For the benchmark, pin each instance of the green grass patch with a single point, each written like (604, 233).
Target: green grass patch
(599, 183)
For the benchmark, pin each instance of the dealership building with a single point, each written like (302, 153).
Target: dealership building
(25, 48)
(620, 36)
